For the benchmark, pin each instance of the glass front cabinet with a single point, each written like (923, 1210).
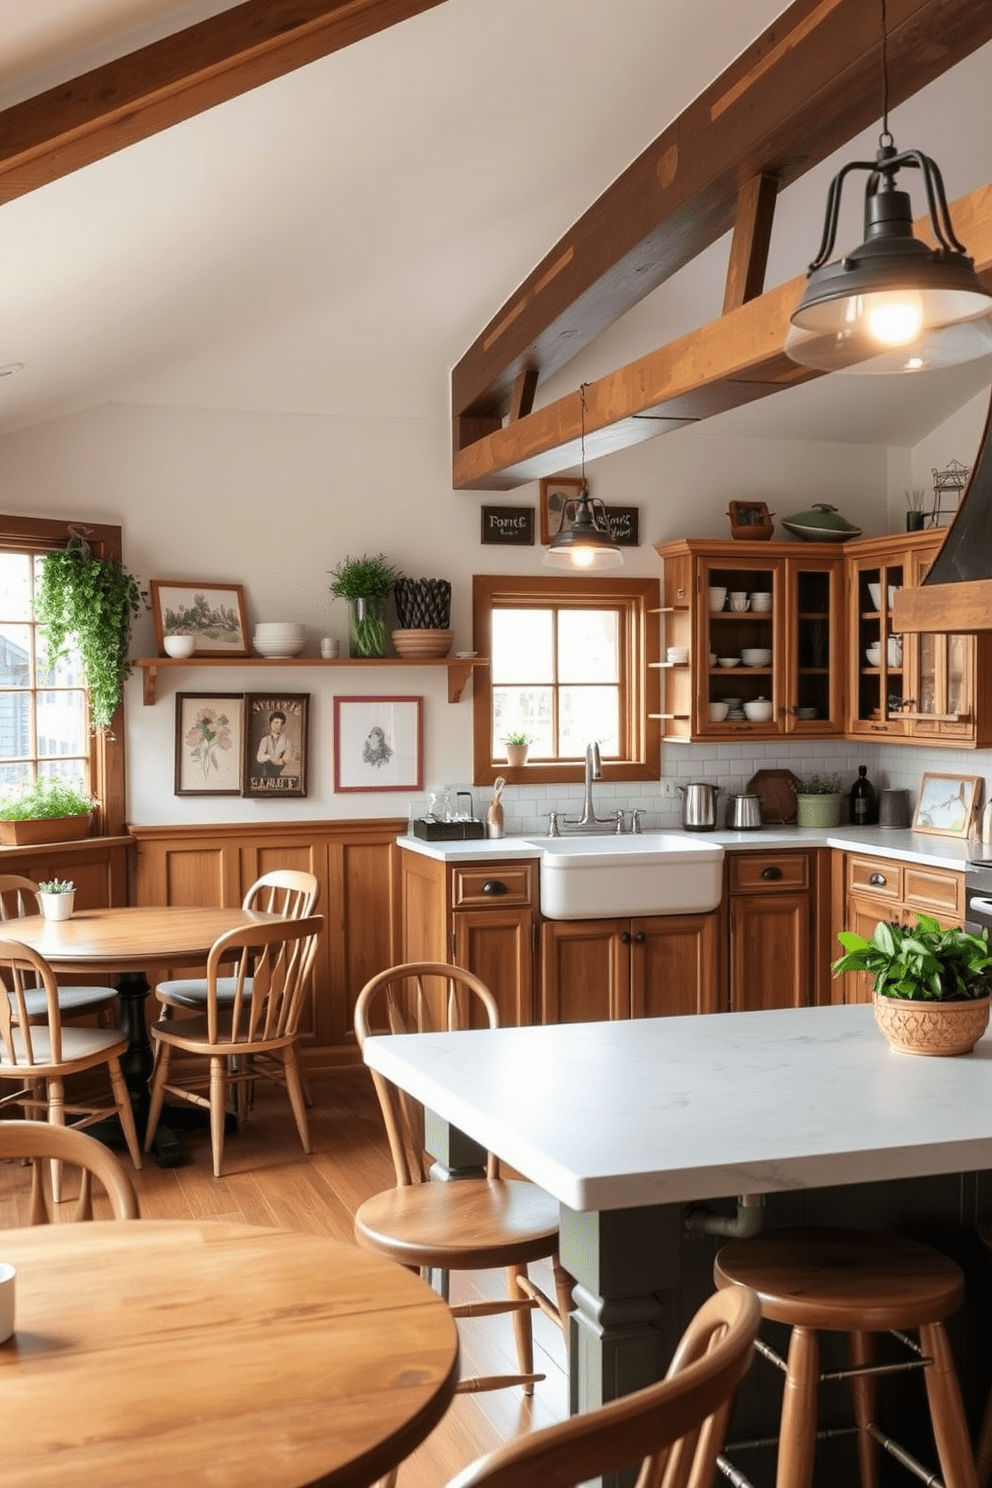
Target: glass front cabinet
(760, 626)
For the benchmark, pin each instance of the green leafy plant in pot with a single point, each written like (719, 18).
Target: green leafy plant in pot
(932, 987)
(367, 584)
(48, 809)
(818, 798)
(516, 746)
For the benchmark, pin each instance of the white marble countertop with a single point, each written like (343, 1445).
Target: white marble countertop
(912, 847)
(669, 1110)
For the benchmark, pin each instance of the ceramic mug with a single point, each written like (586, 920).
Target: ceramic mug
(739, 605)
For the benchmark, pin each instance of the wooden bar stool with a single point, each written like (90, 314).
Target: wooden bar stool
(859, 1283)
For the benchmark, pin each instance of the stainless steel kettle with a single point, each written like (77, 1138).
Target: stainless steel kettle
(743, 813)
(699, 806)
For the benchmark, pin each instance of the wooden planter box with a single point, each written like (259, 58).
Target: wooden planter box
(44, 829)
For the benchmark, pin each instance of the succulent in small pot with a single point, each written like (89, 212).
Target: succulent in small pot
(516, 746)
(57, 896)
(932, 987)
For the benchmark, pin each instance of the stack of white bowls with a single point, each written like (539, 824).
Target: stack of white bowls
(279, 638)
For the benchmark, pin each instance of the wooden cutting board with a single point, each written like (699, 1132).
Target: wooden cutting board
(776, 790)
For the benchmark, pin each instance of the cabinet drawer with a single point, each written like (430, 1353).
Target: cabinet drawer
(494, 884)
(875, 877)
(938, 891)
(756, 872)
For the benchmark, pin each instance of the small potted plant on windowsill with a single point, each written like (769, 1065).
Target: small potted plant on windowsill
(57, 896)
(818, 798)
(932, 987)
(49, 809)
(516, 746)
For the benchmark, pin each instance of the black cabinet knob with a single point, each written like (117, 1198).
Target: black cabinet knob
(771, 872)
(493, 886)
(624, 937)
(640, 938)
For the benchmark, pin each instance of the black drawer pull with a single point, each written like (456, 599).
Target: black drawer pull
(771, 872)
(877, 880)
(494, 886)
(640, 938)
(624, 937)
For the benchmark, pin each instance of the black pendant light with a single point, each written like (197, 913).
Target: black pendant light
(585, 543)
(894, 304)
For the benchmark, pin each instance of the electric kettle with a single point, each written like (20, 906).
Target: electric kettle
(699, 806)
(743, 813)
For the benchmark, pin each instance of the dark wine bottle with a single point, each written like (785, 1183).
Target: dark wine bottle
(864, 802)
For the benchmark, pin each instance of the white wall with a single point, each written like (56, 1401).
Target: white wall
(274, 501)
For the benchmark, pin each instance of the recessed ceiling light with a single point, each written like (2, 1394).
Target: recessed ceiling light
(11, 369)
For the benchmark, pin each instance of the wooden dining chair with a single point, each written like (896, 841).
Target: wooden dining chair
(674, 1429)
(473, 1224)
(38, 1054)
(38, 1140)
(253, 1033)
(18, 898)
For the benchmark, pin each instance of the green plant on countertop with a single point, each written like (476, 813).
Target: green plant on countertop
(819, 785)
(57, 886)
(926, 963)
(517, 739)
(45, 796)
(367, 582)
(95, 600)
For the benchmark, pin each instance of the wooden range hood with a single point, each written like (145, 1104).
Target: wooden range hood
(956, 596)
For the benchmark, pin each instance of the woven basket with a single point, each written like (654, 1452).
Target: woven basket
(932, 1027)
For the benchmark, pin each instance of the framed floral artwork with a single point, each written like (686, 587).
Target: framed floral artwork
(213, 614)
(209, 734)
(276, 736)
(378, 743)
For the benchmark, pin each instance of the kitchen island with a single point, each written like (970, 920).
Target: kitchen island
(632, 1124)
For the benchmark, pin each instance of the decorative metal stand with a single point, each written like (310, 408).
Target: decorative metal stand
(948, 485)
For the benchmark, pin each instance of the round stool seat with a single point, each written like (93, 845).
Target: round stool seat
(843, 1280)
(468, 1224)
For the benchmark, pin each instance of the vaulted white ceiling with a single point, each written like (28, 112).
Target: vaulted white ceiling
(333, 241)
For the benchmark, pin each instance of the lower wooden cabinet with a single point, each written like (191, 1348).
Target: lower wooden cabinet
(777, 954)
(648, 967)
(887, 889)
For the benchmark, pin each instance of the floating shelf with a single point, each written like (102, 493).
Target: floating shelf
(459, 668)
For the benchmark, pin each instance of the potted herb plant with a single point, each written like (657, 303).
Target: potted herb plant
(49, 809)
(366, 583)
(57, 896)
(932, 987)
(516, 746)
(95, 601)
(818, 798)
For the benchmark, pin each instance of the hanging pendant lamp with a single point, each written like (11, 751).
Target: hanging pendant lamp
(586, 542)
(894, 304)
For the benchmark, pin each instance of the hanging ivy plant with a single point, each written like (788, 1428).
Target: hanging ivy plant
(95, 601)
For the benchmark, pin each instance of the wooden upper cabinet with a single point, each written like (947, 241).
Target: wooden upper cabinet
(791, 595)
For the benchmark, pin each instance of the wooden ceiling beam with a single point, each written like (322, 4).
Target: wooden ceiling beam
(137, 95)
(733, 360)
(801, 91)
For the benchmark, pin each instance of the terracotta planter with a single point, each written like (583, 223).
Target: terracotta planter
(516, 754)
(44, 829)
(932, 1027)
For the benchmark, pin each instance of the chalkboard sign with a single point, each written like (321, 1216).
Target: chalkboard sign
(624, 524)
(510, 526)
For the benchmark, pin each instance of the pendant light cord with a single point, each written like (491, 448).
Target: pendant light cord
(582, 431)
(885, 138)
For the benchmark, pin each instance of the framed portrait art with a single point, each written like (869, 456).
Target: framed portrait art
(378, 743)
(213, 614)
(947, 804)
(209, 734)
(276, 733)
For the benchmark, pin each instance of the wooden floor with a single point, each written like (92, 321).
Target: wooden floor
(268, 1180)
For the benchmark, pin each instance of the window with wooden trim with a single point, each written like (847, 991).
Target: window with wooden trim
(44, 718)
(570, 660)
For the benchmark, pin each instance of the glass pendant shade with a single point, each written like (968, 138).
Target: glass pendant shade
(894, 304)
(586, 544)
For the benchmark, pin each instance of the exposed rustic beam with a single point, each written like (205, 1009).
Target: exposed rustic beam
(733, 360)
(160, 85)
(805, 87)
(749, 245)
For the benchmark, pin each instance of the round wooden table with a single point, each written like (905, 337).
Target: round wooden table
(192, 1352)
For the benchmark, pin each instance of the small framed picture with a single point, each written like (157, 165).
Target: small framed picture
(554, 494)
(378, 743)
(213, 614)
(276, 730)
(947, 804)
(209, 736)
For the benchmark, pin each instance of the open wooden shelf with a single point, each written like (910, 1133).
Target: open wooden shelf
(459, 668)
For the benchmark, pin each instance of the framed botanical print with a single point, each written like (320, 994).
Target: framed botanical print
(213, 614)
(209, 735)
(378, 743)
(276, 736)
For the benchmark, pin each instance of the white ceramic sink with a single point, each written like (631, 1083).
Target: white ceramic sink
(652, 873)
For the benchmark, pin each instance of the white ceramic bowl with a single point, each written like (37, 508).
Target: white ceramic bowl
(270, 629)
(729, 661)
(761, 601)
(759, 710)
(875, 590)
(731, 703)
(179, 645)
(678, 653)
(718, 598)
(718, 712)
(273, 646)
(756, 656)
(873, 655)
